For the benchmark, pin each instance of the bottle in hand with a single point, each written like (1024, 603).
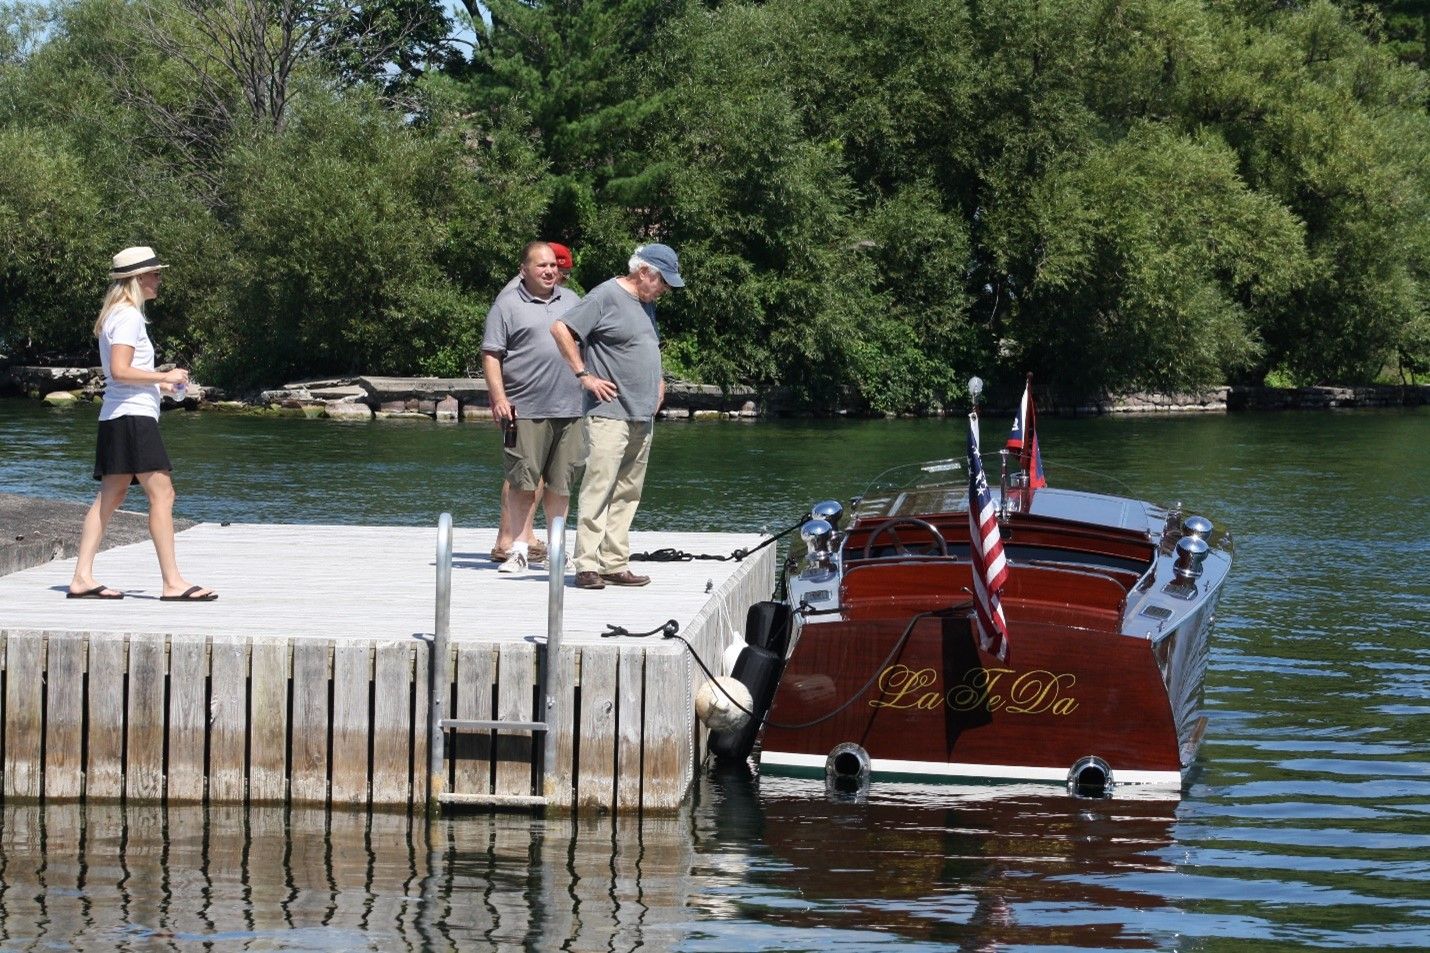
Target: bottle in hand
(508, 437)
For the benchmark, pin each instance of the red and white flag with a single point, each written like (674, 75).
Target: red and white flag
(1024, 440)
(990, 570)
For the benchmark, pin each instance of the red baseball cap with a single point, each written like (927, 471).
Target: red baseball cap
(563, 255)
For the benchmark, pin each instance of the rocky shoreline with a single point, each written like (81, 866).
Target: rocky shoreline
(465, 398)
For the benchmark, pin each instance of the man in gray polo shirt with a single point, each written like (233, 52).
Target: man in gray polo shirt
(533, 393)
(620, 372)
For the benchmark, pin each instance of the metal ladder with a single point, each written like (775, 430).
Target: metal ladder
(441, 678)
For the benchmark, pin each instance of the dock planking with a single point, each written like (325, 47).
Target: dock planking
(307, 681)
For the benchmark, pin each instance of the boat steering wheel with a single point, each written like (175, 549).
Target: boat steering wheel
(939, 543)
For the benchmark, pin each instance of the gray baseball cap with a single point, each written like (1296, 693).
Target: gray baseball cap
(663, 259)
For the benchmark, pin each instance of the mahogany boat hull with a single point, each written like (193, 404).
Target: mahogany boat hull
(930, 704)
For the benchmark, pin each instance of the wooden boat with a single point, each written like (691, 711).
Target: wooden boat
(881, 672)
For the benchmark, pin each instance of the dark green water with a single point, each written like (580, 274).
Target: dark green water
(1307, 827)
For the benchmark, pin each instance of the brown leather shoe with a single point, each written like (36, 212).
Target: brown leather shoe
(589, 580)
(625, 578)
(536, 551)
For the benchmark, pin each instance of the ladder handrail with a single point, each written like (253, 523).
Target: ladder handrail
(441, 663)
(555, 620)
(441, 666)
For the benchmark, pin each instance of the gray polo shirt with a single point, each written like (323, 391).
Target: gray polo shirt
(621, 344)
(538, 381)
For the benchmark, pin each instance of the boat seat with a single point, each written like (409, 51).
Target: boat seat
(1064, 596)
(1125, 578)
(880, 588)
(1089, 598)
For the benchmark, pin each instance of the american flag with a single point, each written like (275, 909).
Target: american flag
(990, 571)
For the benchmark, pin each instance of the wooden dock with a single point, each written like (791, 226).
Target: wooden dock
(307, 681)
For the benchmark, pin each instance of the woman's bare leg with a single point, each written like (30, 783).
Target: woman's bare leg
(160, 490)
(112, 490)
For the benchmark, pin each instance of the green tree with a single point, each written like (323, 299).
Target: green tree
(1151, 254)
(1333, 128)
(361, 245)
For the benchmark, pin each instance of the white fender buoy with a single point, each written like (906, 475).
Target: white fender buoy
(732, 654)
(716, 704)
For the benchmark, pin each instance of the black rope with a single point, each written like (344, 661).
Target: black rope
(894, 651)
(807, 610)
(671, 628)
(665, 630)
(672, 555)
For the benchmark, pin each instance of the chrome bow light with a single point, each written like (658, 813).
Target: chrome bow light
(1191, 553)
(1198, 526)
(831, 511)
(818, 537)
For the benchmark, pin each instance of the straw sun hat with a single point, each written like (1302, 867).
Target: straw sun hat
(139, 260)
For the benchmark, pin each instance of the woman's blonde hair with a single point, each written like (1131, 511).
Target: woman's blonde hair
(122, 291)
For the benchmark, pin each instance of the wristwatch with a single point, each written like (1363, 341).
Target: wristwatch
(583, 373)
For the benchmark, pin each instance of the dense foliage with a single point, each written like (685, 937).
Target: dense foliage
(870, 202)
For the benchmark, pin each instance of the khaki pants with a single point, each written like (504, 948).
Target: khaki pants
(610, 492)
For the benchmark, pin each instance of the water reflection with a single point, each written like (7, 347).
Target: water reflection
(970, 868)
(107, 877)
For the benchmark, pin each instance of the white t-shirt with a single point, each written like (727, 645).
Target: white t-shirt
(125, 325)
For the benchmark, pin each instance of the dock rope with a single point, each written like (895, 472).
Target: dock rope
(667, 630)
(672, 555)
(671, 628)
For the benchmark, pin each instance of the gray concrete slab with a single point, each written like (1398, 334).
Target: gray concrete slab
(34, 531)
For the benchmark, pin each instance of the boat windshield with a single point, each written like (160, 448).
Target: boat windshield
(941, 486)
(934, 486)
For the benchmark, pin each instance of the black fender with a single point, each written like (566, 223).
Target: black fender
(759, 670)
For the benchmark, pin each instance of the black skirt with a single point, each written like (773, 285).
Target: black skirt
(129, 444)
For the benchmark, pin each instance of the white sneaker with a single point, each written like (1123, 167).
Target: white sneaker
(516, 562)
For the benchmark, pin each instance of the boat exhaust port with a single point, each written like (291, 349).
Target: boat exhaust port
(1090, 777)
(847, 769)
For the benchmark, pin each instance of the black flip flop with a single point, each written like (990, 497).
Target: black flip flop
(96, 593)
(188, 596)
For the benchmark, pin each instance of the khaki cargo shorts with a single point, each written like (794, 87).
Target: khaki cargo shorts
(552, 449)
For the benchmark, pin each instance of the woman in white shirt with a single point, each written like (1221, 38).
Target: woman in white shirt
(129, 449)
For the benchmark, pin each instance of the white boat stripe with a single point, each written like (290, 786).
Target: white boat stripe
(1167, 779)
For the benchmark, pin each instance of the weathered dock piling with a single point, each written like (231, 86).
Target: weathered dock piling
(308, 682)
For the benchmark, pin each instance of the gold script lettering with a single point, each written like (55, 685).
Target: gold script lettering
(1033, 693)
(976, 690)
(1027, 693)
(905, 685)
